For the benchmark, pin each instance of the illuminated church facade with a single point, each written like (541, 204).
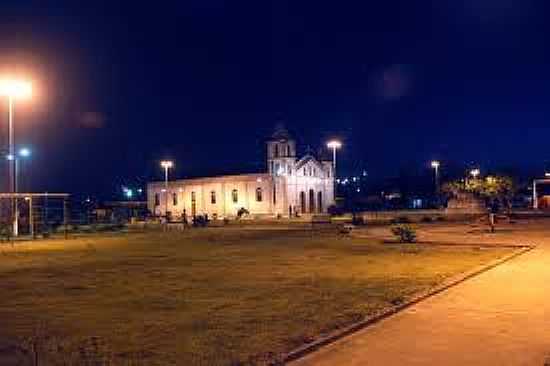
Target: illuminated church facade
(290, 187)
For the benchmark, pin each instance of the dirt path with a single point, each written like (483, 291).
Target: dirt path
(501, 317)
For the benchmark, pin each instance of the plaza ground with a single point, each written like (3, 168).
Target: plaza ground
(220, 296)
(500, 317)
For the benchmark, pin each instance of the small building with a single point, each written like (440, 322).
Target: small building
(290, 186)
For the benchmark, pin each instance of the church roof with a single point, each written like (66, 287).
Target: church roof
(281, 133)
(307, 158)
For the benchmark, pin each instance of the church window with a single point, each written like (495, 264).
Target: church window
(314, 172)
(235, 196)
(258, 194)
(305, 172)
(287, 150)
(157, 199)
(175, 199)
(213, 197)
(276, 150)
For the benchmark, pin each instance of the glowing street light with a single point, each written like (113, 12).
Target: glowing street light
(475, 173)
(17, 89)
(24, 152)
(166, 164)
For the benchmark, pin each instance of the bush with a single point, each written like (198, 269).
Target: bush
(5, 231)
(242, 212)
(200, 221)
(405, 233)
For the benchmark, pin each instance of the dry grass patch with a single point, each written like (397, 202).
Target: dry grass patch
(209, 297)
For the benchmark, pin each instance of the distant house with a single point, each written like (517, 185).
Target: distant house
(291, 186)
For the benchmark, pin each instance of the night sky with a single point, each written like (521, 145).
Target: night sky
(121, 85)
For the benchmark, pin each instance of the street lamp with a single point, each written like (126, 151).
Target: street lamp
(166, 164)
(23, 153)
(475, 173)
(13, 89)
(435, 165)
(334, 145)
(16, 160)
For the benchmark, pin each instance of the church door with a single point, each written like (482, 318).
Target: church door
(311, 201)
(320, 201)
(303, 202)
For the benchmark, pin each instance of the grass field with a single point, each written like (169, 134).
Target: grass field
(207, 297)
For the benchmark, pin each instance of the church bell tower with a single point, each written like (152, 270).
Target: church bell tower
(281, 153)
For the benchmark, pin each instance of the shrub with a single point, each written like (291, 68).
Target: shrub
(242, 212)
(200, 221)
(405, 233)
(5, 231)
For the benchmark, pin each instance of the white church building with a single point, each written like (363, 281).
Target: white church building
(291, 187)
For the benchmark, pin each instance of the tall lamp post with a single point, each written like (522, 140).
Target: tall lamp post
(23, 153)
(13, 90)
(435, 165)
(334, 145)
(166, 164)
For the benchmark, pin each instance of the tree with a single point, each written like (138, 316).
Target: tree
(498, 189)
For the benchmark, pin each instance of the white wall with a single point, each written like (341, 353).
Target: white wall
(245, 185)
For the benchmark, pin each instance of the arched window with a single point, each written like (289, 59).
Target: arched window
(175, 199)
(157, 199)
(213, 197)
(320, 201)
(235, 195)
(276, 150)
(287, 150)
(258, 194)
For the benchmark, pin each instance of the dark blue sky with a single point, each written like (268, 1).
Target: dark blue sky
(121, 85)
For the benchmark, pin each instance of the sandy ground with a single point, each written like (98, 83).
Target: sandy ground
(501, 317)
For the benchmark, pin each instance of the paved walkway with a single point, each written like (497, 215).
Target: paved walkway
(501, 317)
